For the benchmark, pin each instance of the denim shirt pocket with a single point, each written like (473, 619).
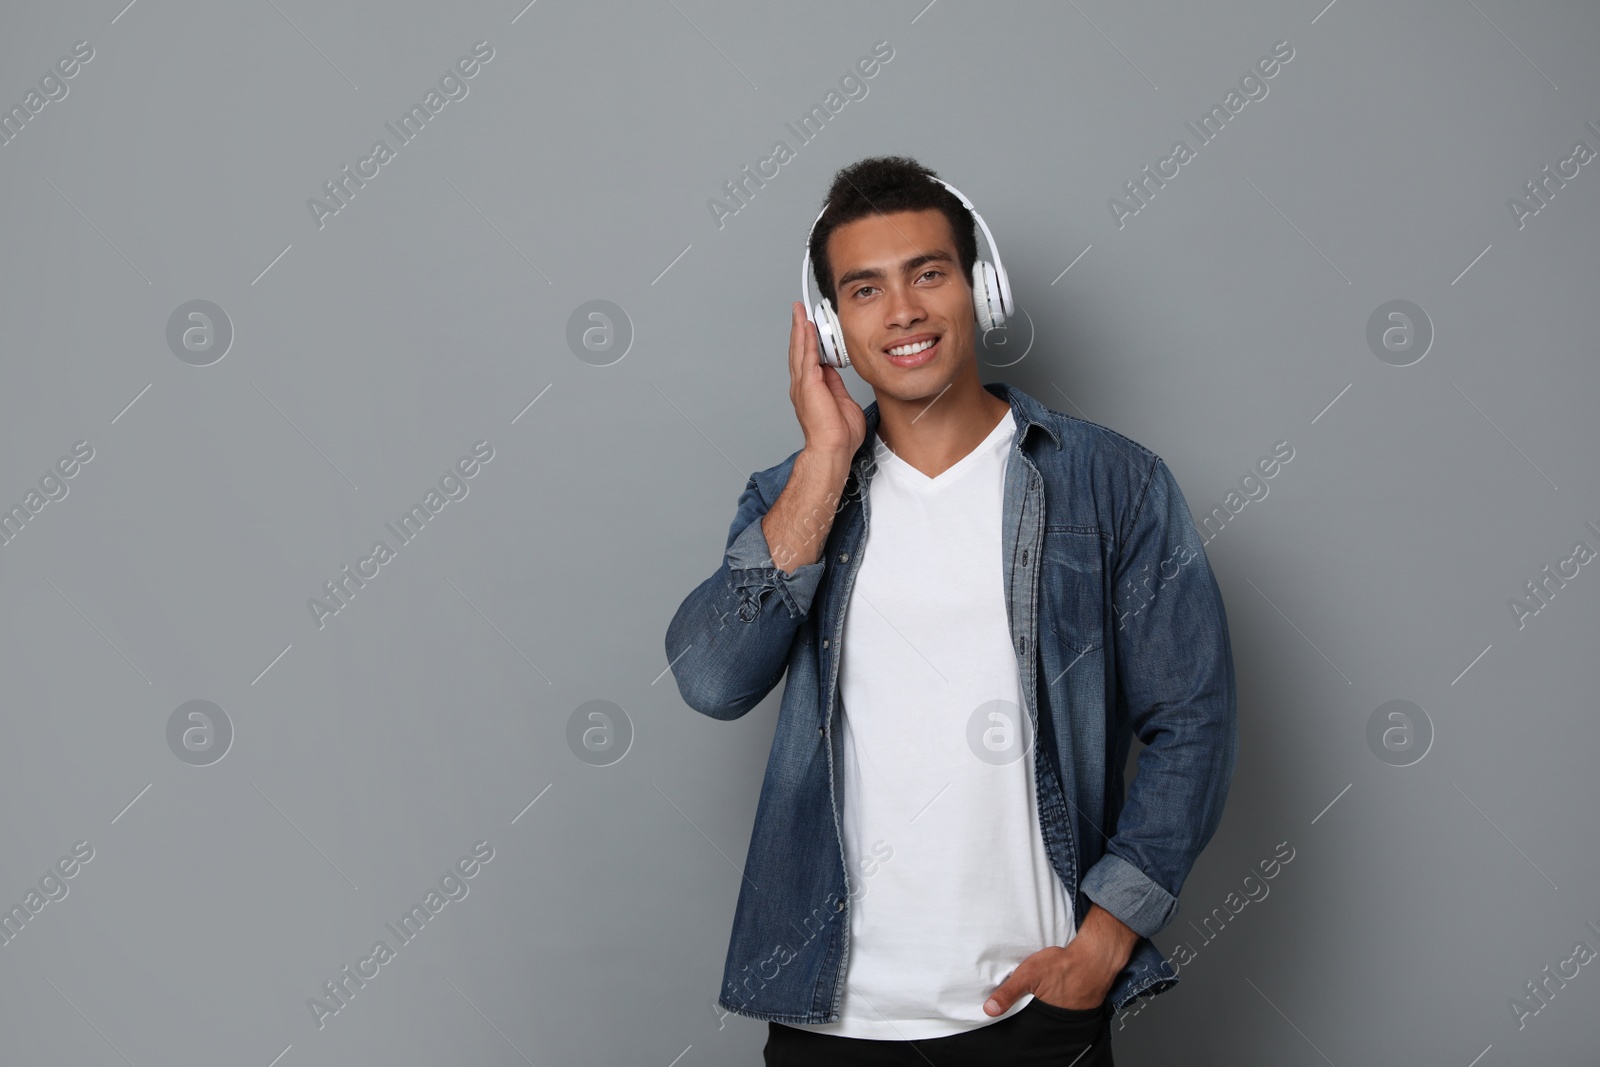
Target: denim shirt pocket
(1071, 590)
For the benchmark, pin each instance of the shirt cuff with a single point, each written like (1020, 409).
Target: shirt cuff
(753, 572)
(1129, 894)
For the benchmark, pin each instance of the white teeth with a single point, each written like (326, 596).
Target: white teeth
(911, 350)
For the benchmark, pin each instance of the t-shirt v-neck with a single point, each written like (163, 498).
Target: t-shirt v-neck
(998, 438)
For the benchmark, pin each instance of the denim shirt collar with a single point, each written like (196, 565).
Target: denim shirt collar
(1028, 411)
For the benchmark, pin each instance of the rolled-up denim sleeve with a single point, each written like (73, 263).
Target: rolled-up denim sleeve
(1175, 687)
(751, 569)
(728, 643)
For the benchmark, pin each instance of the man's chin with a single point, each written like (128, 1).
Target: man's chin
(910, 387)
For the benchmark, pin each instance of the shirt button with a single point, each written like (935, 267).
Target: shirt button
(1024, 557)
(819, 731)
(844, 557)
(824, 642)
(840, 906)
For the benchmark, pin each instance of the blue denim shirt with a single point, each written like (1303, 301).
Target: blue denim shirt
(1118, 628)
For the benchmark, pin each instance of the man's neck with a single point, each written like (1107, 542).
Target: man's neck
(933, 433)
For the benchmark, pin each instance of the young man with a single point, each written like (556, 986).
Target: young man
(978, 601)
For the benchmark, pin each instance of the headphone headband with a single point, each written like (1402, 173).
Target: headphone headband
(991, 288)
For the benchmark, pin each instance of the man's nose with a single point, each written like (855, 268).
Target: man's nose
(904, 306)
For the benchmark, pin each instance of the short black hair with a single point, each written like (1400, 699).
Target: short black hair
(883, 185)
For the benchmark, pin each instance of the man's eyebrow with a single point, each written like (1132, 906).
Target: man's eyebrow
(873, 273)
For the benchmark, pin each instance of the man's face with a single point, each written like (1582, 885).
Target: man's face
(900, 283)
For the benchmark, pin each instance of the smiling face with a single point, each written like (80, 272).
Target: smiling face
(904, 303)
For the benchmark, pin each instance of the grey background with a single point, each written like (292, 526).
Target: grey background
(369, 355)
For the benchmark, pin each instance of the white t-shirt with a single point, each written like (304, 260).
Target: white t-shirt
(950, 883)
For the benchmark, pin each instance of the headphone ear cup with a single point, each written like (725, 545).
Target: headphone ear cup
(840, 354)
(830, 336)
(986, 297)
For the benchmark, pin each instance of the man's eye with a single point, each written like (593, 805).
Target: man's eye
(863, 289)
(932, 270)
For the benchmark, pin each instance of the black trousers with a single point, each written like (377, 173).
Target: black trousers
(1038, 1035)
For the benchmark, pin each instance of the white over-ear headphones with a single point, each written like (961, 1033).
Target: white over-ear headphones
(991, 291)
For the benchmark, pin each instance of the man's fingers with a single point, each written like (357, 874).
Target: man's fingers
(1007, 992)
(808, 340)
(796, 340)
